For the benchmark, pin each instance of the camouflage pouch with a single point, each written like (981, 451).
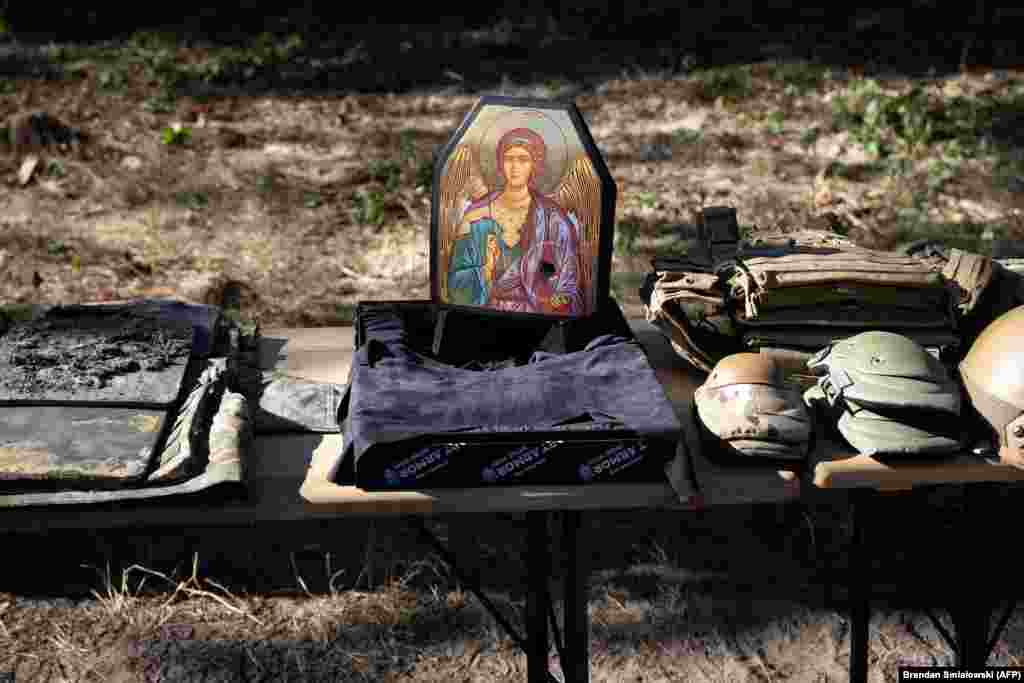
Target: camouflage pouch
(686, 302)
(971, 274)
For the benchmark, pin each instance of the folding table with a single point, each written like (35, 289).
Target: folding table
(302, 357)
(868, 480)
(287, 478)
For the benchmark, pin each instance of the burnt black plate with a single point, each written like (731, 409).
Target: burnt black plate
(77, 446)
(81, 355)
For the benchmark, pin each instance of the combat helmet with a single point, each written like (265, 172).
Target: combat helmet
(746, 409)
(993, 375)
(893, 397)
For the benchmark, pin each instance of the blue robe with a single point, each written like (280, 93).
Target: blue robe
(466, 282)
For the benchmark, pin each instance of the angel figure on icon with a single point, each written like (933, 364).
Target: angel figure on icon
(514, 247)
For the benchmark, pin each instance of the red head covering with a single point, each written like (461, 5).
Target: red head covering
(531, 142)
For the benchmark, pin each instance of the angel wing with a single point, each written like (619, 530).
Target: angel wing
(457, 182)
(579, 194)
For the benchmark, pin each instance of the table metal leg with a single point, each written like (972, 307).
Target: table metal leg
(994, 638)
(970, 623)
(538, 601)
(471, 582)
(859, 590)
(973, 643)
(538, 567)
(576, 661)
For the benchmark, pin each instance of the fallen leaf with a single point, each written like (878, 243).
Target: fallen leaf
(28, 169)
(952, 88)
(979, 210)
(823, 195)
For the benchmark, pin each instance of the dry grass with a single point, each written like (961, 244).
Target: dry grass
(654, 621)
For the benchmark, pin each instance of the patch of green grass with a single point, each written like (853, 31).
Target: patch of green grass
(946, 166)
(809, 138)
(731, 83)
(862, 111)
(192, 199)
(312, 200)
(669, 240)
(6, 86)
(962, 118)
(55, 168)
(424, 174)
(344, 313)
(687, 136)
(774, 123)
(368, 207)
(386, 171)
(647, 200)
(626, 286)
(914, 124)
(909, 123)
(407, 146)
(863, 172)
(148, 41)
(176, 134)
(1008, 171)
(914, 225)
(268, 181)
(111, 78)
(229, 64)
(800, 77)
(17, 312)
(626, 234)
(56, 247)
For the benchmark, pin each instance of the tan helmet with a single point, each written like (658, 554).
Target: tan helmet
(746, 406)
(993, 375)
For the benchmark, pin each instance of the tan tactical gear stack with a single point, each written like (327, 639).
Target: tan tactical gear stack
(790, 301)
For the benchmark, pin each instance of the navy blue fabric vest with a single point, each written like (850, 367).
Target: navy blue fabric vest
(424, 376)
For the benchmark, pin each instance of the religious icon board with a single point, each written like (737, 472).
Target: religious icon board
(522, 213)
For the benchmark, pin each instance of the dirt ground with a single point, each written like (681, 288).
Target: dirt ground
(303, 175)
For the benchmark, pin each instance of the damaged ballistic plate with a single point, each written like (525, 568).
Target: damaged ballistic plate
(76, 446)
(82, 355)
